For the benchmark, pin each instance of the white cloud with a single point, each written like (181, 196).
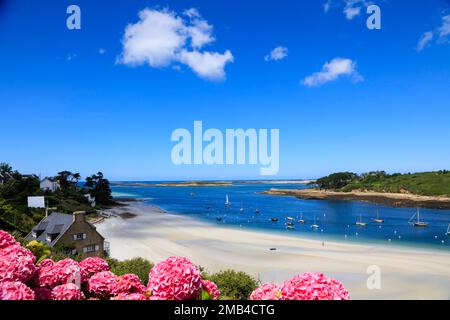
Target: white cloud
(207, 65)
(441, 34)
(444, 29)
(424, 40)
(162, 38)
(351, 8)
(279, 53)
(331, 71)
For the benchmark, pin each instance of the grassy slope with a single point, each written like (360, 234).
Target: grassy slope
(425, 183)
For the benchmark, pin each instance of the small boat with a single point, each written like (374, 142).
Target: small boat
(257, 210)
(219, 219)
(377, 219)
(448, 230)
(274, 219)
(290, 227)
(315, 226)
(360, 222)
(227, 201)
(418, 223)
(290, 218)
(301, 220)
(242, 208)
(290, 224)
(192, 194)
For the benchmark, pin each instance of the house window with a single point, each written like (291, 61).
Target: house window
(91, 248)
(79, 236)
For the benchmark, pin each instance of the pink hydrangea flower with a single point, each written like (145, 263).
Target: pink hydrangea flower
(16, 264)
(42, 294)
(15, 291)
(67, 291)
(211, 288)
(129, 283)
(6, 240)
(45, 263)
(62, 272)
(93, 265)
(176, 278)
(313, 286)
(267, 291)
(102, 284)
(130, 296)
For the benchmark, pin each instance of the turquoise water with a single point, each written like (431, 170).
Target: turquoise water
(336, 219)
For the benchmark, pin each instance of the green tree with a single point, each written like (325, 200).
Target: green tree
(99, 188)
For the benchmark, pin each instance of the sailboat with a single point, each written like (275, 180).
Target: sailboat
(301, 219)
(227, 201)
(418, 223)
(448, 230)
(378, 218)
(315, 226)
(242, 207)
(360, 222)
(257, 210)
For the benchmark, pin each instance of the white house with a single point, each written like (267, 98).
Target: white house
(48, 184)
(91, 199)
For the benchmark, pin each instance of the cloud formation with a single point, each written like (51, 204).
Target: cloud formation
(161, 38)
(279, 53)
(333, 70)
(350, 8)
(441, 34)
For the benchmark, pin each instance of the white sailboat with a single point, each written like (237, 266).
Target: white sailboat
(227, 201)
(315, 226)
(242, 207)
(448, 230)
(378, 218)
(360, 222)
(418, 223)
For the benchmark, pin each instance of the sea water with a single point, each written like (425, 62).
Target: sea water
(336, 219)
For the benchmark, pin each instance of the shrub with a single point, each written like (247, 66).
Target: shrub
(137, 266)
(234, 285)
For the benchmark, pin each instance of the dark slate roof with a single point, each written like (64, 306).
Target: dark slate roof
(55, 224)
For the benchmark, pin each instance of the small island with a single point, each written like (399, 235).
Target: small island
(425, 189)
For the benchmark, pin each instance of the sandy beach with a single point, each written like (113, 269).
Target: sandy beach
(406, 273)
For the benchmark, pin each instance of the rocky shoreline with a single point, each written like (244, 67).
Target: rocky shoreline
(390, 199)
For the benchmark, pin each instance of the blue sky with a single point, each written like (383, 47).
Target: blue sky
(70, 99)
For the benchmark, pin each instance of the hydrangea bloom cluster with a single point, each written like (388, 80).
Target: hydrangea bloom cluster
(62, 272)
(6, 240)
(14, 290)
(129, 283)
(176, 278)
(93, 265)
(16, 262)
(102, 284)
(305, 286)
(130, 296)
(211, 288)
(67, 291)
(267, 291)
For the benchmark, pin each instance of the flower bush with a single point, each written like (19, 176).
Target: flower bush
(268, 291)
(67, 291)
(14, 290)
(102, 284)
(128, 284)
(211, 289)
(313, 286)
(176, 278)
(93, 265)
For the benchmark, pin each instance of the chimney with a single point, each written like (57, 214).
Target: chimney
(79, 216)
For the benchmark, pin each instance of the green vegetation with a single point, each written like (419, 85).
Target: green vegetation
(138, 266)
(424, 183)
(234, 285)
(16, 187)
